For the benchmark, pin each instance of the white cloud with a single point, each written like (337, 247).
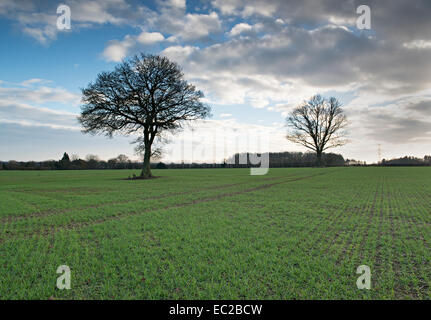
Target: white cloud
(149, 38)
(227, 7)
(31, 91)
(418, 44)
(240, 28)
(174, 25)
(99, 12)
(31, 82)
(118, 50)
(179, 53)
(180, 4)
(24, 104)
(40, 21)
(28, 115)
(196, 26)
(265, 9)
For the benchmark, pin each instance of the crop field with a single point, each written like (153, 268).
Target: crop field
(216, 234)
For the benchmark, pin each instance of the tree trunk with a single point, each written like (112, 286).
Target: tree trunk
(146, 170)
(319, 158)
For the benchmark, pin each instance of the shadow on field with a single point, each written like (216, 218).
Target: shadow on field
(134, 177)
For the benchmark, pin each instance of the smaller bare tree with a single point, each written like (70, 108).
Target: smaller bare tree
(318, 125)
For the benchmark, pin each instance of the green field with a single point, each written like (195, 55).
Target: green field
(216, 234)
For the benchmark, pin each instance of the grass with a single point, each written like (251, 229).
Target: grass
(216, 234)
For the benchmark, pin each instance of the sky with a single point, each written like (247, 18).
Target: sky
(255, 61)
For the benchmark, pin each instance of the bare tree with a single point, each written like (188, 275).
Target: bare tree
(147, 95)
(318, 125)
(122, 158)
(91, 157)
(74, 157)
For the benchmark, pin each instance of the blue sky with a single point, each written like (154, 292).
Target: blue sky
(254, 60)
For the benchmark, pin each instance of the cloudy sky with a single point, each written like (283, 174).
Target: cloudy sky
(255, 61)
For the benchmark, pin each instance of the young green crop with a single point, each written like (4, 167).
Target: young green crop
(216, 234)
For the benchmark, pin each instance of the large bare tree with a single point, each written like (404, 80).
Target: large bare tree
(318, 125)
(146, 95)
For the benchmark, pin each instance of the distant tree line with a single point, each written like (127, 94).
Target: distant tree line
(355, 163)
(289, 159)
(276, 160)
(92, 162)
(406, 161)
